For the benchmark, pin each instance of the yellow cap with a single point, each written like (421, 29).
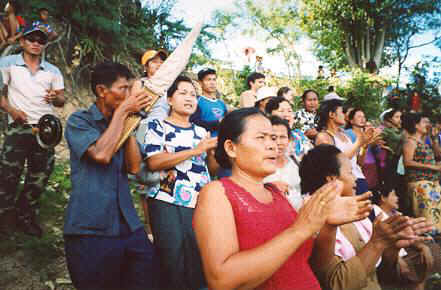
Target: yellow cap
(149, 54)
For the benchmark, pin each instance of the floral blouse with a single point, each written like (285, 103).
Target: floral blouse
(305, 119)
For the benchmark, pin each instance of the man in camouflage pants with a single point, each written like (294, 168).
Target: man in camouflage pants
(34, 87)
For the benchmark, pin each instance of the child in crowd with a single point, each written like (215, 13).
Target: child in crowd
(44, 20)
(11, 24)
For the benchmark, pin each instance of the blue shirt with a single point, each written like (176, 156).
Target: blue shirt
(100, 200)
(351, 134)
(209, 114)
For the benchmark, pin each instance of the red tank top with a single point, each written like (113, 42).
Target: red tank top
(257, 223)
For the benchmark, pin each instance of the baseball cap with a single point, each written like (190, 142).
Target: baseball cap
(265, 92)
(332, 96)
(150, 54)
(204, 72)
(36, 28)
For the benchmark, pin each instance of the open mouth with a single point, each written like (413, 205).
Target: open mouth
(188, 106)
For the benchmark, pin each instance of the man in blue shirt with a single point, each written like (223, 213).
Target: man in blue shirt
(211, 110)
(106, 245)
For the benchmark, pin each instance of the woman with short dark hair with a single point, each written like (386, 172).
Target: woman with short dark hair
(356, 255)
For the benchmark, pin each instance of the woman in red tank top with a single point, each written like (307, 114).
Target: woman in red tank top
(248, 234)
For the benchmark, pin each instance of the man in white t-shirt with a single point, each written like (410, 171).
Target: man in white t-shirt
(34, 87)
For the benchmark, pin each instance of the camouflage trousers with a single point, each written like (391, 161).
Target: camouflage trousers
(21, 148)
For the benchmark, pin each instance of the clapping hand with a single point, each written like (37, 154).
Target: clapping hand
(346, 209)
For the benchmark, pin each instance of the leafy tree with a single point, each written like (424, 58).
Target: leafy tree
(275, 21)
(356, 32)
(119, 30)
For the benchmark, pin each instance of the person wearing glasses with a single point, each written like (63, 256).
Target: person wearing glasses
(34, 88)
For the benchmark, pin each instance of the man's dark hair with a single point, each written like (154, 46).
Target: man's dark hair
(277, 121)
(205, 72)
(174, 87)
(330, 89)
(325, 108)
(410, 120)
(383, 190)
(253, 77)
(231, 128)
(305, 93)
(282, 91)
(320, 67)
(274, 104)
(43, 9)
(106, 73)
(319, 163)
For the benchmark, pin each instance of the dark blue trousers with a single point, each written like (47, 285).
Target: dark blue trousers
(362, 186)
(111, 263)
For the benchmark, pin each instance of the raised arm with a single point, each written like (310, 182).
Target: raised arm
(247, 100)
(105, 147)
(336, 273)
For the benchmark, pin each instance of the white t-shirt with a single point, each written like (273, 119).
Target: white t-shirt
(26, 91)
(290, 175)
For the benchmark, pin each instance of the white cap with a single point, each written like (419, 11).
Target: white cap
(383, 114)
(332, 96)
(265, 92)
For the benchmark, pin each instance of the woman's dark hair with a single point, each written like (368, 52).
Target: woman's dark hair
(305, 93)
(389, 115)
(253, 77)
(174, 87)
(274, 104)
(282, 91)
(277, 121)
(410, 120)
(383, 190)
(346, 107)
(319, 163)
(325, 108)
(351, 117)
(106, 73)
(231, 128)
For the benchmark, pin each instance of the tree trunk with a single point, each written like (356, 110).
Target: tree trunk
(350, 51)
(368, 44)
(379, 46)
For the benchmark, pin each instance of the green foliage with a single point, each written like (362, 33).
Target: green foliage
(240, 81)
(273, 21)
(365, 91)
(362, 90)
(97, 30)
(352, 33)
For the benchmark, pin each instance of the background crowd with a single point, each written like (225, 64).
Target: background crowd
(260, 196)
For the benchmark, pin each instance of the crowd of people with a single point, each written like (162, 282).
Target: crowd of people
(253, 197)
